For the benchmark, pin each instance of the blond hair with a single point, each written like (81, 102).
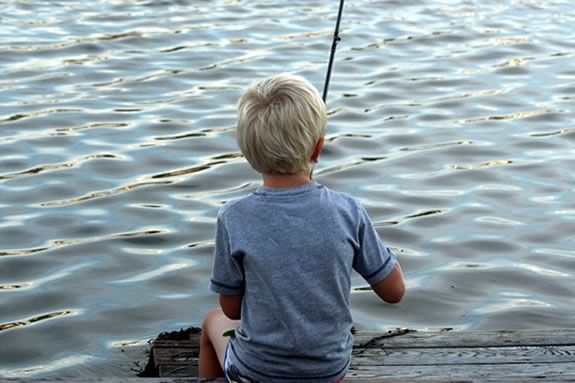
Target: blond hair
(281, 119)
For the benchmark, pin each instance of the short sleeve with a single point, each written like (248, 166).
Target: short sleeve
(373, 260)
(228, 272)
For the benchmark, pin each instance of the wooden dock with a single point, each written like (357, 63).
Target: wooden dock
(407, 355)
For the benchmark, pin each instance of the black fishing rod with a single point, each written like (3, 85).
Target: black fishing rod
(336, 40)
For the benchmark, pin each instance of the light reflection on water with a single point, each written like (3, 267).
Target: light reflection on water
(450, 121)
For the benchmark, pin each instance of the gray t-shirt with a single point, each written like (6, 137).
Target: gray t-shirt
(290, 252)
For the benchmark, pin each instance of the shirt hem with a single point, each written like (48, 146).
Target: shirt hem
(259, 375)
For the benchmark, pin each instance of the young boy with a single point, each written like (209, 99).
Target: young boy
(284, 254)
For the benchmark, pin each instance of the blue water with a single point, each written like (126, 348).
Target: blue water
(451, 121)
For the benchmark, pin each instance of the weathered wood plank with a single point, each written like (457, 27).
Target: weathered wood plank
(478, 356)
(111, 380)
(526, 371)
(497, 377)
(176, 362)
(460, 356)
(510, 379)
(192, 343)
(176, 355)
(178, 370)
(473, 338)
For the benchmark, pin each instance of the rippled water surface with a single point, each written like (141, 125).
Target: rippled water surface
(451, 121)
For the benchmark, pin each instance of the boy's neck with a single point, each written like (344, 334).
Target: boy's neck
(274, 180)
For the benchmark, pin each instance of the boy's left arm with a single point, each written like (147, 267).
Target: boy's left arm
(232, 305)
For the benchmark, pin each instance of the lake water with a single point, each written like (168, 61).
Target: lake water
(452, 121)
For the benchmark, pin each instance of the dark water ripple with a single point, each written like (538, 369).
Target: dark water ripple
(451, 121)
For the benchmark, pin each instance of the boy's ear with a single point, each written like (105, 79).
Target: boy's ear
(317, 150)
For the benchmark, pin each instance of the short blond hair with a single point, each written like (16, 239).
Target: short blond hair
(281, 119)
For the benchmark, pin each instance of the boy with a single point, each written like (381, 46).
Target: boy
(284, 254)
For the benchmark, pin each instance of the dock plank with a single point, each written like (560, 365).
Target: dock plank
(474, 338)
(467, 356)
(478, 373)
(460, 356)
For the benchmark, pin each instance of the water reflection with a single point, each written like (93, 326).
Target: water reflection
(450, 121)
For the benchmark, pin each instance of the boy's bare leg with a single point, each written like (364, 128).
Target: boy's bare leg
(213, 343)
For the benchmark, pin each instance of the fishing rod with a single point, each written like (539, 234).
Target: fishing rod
(336, 40)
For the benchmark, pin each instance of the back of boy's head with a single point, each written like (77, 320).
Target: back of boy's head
(281, 119)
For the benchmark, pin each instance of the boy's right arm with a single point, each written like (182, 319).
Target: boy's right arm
(377, 263)
(392, 288)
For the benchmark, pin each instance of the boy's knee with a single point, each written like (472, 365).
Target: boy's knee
(211, 316)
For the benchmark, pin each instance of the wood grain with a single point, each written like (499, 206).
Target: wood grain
(407, 355)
